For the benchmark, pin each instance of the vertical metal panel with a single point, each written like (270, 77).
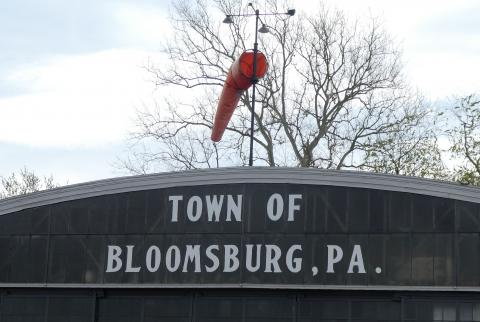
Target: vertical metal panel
(468, 261)
(358, 211)
(120, 309)
(378, 203)
(444, 265)
(422, 214)
(467, 215)
(400, 212)
(317, 205)
(337, 217)
(423, 257)
(444, 212)
(399, 259)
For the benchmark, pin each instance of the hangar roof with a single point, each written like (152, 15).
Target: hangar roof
(342, 178)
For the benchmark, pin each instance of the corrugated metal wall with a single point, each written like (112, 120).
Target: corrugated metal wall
(45, 305)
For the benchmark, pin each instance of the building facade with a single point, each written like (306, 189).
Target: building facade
(243, 244)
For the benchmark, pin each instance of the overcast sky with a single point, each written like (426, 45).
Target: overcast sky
(71, 71)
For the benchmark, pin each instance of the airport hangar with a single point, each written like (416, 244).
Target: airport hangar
(243, 244)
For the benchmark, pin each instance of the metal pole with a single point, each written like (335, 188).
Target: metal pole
(254, 82)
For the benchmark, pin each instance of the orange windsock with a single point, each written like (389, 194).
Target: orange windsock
(239, 79)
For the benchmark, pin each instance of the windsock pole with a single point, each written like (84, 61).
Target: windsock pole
(237, 80)
(254, 82)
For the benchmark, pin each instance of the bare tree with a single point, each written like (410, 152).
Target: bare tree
(411, 150)
(333, 92)
(465, 139)
(24, 182)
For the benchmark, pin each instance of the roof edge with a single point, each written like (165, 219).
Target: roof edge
(344, 178)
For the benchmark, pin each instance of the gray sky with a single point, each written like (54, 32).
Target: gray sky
(71, 76)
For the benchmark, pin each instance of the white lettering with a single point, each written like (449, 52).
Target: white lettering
(192, 253)
(273, 255)
(275, 201)
(213, 258)
(196, 202)
(334, 255)
(172, 266)
(192, 257)
(152, 259)
(234, 209)
(292, 207)
(231, 260)
(175, 200)
(356, 260)
(294, 265)
(114, 263)
(129, 268)
(214, 207)
(249, 257)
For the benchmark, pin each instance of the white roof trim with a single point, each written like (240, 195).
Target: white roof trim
(242, 175)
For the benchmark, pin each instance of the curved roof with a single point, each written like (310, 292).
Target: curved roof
(243, 175)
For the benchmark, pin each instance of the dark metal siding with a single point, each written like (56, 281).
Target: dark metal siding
(234, 305)
(417, 240)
